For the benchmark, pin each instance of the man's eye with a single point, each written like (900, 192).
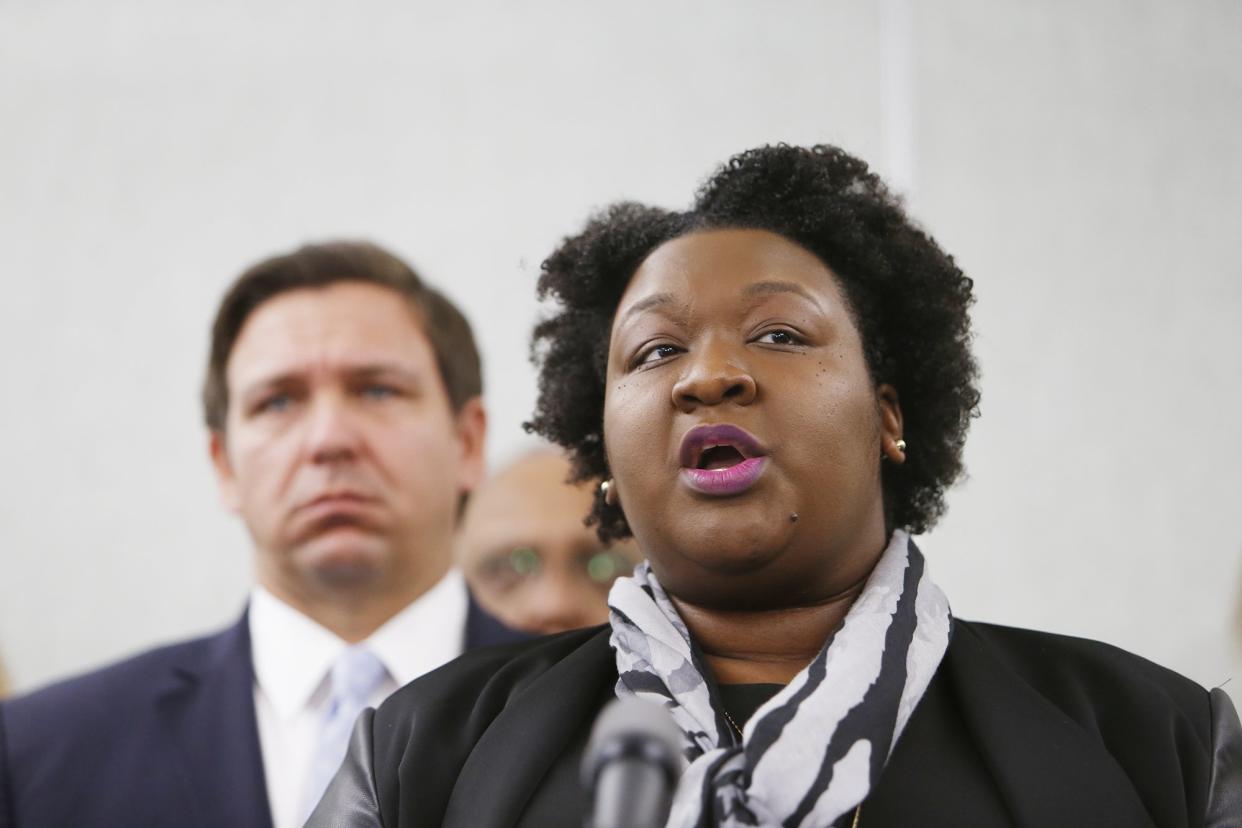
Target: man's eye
(604, 566)
(525, 561)
(379, 392)
(274, 404)
(780, 336)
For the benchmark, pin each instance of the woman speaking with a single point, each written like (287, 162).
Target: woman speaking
(772, 391)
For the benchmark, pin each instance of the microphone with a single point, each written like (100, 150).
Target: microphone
(631, 765)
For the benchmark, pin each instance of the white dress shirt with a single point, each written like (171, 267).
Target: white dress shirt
(292, 659)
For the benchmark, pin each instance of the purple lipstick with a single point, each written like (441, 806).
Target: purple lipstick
(721, 460)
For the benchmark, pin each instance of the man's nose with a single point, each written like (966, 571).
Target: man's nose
(332, 431)
(558, 601)
(713, 373)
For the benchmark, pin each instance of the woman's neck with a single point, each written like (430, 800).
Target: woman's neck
(767, 646)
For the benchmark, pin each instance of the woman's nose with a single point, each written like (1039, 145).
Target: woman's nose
(713, 375)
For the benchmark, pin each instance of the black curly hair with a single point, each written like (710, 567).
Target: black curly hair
(908, 298)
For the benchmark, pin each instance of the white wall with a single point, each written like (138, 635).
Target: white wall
(1086, 171)
(1080, 163)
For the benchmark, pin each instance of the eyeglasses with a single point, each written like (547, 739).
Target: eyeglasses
(600, 567)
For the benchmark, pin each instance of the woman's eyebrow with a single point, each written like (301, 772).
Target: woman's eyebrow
(654, 300)
(769, 287)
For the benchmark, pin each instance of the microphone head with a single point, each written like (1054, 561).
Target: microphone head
(631, 728)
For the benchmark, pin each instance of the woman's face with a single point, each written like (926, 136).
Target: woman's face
(743, 429)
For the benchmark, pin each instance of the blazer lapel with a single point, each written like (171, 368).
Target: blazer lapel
(207, 706)
(1050, 770)
(528, 737)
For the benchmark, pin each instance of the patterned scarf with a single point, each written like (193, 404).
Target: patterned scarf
(814, 750)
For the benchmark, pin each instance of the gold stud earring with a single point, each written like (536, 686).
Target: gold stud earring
(608, 493)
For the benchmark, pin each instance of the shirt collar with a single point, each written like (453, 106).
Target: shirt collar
(293, 653)
(427, 633)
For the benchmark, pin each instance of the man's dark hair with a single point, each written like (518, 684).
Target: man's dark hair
(908, 298)
(321, 265)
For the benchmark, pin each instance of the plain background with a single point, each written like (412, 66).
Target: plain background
(1081, 161)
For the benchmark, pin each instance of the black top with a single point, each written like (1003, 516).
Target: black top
(1016, 728)
(742, 700)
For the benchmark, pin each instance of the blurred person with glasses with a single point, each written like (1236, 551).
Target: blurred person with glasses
(528, 555)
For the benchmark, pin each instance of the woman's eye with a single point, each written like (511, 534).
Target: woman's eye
(779, 337)
(655, 354)
(379, 392)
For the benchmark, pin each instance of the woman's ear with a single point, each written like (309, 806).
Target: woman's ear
(892, 444)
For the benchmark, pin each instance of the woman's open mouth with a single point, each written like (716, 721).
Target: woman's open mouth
(721, 460)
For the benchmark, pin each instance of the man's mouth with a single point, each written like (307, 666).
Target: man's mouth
(335, 510)
(344, 499)
(721, 460)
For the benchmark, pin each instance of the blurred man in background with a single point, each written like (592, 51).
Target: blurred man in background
(346, 428)
(528, 556)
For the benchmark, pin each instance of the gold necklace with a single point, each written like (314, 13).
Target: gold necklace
(735, 727)
(738, 730)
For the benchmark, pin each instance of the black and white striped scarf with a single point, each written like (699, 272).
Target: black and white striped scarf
(815, 749)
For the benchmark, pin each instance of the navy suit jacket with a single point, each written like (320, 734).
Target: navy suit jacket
(168, 738)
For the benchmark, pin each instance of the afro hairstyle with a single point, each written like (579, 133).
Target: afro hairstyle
(908, 299)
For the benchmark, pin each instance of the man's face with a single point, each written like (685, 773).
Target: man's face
(341, 452)
(527, 555)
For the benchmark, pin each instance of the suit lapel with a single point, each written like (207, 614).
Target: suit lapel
(485, 630)
(1049, 769)
(516, 751)
(207, 707)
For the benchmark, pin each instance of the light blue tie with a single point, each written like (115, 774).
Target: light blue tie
(355, 676)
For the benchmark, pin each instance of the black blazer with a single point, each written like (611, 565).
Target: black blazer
(168, 738)
(1017, 728)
